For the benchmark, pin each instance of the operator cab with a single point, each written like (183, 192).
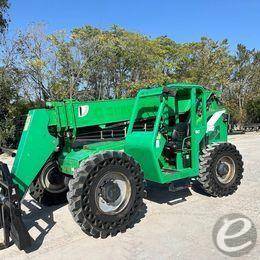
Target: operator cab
(178, 136)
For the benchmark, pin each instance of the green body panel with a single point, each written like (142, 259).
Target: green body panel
(52, 132)
(72, 160)
(67, 114)
(35, 148)
(146, 154)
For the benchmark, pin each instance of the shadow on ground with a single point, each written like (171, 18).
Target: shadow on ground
(159, 193)
(197, 188)
(35, 213)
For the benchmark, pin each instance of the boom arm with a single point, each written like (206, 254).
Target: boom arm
(37, 144)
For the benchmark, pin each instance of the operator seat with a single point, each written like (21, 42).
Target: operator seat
(181, 131)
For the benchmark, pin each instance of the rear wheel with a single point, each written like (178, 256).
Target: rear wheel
(106, 194)
(221, 169)
(51, 186)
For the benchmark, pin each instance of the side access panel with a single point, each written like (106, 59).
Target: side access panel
(35, 147)
(146, 152)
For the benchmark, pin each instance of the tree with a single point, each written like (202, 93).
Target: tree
(206, 62)
(116, 59)
(37, 62)
(244, 82)
(7, 94)
(73, 63)
(4, 6)
(93, 64)
(253, 110)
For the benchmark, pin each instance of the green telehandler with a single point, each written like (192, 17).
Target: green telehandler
(99, 156)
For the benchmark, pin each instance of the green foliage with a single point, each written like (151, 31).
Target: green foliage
(253, 110)
(4, 6)
(244, 84)
(90, 64)
(7, 93)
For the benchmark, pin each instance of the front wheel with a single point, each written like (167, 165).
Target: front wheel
(51, 186)
(106, 194)
(221, 169)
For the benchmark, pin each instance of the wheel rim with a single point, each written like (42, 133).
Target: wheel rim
(112, 193)
(225, 169)
(53, 181)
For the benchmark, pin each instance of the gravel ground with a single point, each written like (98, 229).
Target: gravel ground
(177, 225)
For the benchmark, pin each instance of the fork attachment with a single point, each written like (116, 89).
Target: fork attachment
(10, 213)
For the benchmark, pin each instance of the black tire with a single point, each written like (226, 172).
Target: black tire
(210, 179)
(43, 195)
(83, 187)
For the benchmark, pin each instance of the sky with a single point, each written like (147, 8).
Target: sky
(183, 21)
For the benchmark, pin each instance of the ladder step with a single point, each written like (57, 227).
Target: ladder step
(166, 170)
